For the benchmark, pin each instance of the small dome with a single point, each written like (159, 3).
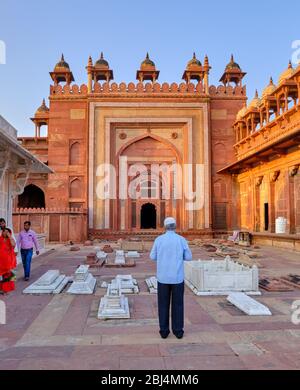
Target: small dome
(286, 74)
(269, 89)
(102, 62)
(232, 65)
(62, 64)
(147, 62)
(194, 61)
(43, 108)
(255, 102)
(241, 113)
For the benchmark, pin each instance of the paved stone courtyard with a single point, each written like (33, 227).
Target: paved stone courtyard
(62, 331)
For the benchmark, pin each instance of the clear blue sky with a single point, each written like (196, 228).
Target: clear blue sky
(259, 33)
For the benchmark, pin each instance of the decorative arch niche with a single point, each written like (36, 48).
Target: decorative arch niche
(75, 153)
(32, 197)
(76, 188)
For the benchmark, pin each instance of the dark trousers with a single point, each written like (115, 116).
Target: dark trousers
(166, 294)
(26, 255)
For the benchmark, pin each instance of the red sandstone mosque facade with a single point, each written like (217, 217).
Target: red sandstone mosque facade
(249, 155)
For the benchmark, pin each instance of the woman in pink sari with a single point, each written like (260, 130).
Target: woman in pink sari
(8, 261)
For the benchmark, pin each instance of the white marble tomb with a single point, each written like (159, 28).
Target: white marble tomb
(128, 285)
(84, 282)
(114, 305)
(120, 257)
(52, 282)
(133, 254)
(101, 255)
(220, 277)
(152, 284)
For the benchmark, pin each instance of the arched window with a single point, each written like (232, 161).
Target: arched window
(75, 158)
(76, 190)
(32, 197)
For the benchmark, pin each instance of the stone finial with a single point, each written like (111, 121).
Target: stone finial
(206, 62)
(90, 61)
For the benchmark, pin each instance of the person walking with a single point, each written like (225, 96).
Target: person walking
(170, 250)
(8, 261)
(26, 241)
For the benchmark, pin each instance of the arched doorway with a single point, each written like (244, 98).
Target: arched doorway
(32, 197)
(148, 216)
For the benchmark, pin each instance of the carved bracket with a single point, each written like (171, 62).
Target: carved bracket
(259, 180)
(294, 170)
(274, 176)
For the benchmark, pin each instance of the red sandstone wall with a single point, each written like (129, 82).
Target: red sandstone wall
(67, 125)
(225, 204)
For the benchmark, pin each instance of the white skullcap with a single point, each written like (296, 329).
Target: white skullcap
(169, 221)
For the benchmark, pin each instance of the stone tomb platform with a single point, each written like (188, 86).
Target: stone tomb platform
(52, 282)
(152, 284)
(84, 282)
(220, 277)
(126, 283)
(114, 304)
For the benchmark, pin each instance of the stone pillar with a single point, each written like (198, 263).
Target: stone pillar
(273, 177)
(257, 224)
(90, 82)
(206, 82)
(291, 205)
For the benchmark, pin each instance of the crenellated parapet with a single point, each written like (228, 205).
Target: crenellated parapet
(147, 88)
(72, 90)
(227, 91)
(130, 88)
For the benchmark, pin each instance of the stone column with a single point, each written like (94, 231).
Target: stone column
(291, 206)
(258, 182)
(90, 82)
(273, 177)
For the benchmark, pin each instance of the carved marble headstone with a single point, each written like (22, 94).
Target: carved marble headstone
(248, 305)
(49, 283)
(152, 284)
(114, 304)
(84, 282)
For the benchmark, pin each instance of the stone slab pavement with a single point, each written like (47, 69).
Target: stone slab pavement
(63, 332)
